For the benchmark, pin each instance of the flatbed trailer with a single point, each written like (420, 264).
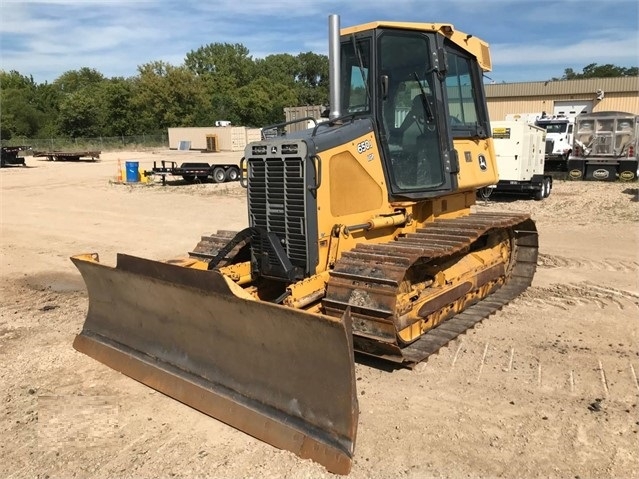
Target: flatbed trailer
(10, 155)
(192, 172)
(68, 155)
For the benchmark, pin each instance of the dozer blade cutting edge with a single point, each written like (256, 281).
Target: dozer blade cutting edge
(281, 375)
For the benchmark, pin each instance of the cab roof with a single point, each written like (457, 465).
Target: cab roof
(475, 46)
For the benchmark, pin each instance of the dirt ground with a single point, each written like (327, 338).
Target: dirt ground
(547, 387)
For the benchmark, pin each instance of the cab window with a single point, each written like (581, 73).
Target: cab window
(462, 96)
(409, 113)
(355, 78)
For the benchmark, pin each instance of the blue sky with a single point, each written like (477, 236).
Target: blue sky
(530, 40)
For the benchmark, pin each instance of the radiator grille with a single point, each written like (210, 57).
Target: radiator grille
(550, 145)
(276, 196)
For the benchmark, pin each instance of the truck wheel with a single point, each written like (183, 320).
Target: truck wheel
(628, 170)
(219, 175)
(547, 187)
(485, 192)
(539, 194)
(233, 174)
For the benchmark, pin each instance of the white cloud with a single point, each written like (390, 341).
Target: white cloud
(602, 51)
(48, 37)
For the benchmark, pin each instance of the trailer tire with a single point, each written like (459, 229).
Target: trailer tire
(219, 175)
(188, 178)
(233, 174)
(547, 187)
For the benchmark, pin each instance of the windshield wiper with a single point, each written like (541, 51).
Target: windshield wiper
(429, 111)
(358, 53)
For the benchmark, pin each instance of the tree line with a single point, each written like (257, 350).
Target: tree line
(219, 81)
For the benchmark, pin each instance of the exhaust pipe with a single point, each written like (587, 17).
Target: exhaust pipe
(334, 67)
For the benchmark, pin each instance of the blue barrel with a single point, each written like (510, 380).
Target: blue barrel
(132, 171)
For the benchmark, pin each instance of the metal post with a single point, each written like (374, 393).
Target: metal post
(334, 67)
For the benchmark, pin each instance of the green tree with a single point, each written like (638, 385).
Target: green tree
(18, 106)
(223, 68)
(282, 68)
(262, 102)
(230, 64)
(119, 112)
(48, 98)
(599, 71)
(168, 96)
(313, 79)
(81, 114)
(75, 80)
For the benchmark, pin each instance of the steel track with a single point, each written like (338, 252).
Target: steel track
(367, 279)
(373, 274)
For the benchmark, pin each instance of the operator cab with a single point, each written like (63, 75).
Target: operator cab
(422, 92)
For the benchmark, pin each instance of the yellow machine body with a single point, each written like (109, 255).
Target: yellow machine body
(361, 239)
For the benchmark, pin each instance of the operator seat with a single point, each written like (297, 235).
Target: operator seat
(421, 143)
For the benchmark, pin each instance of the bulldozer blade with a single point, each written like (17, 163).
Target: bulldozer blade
(281, 375)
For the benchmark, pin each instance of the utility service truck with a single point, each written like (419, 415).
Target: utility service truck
(605, 147)
(519, 149)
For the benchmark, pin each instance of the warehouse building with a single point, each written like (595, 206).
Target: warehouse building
(564, 96)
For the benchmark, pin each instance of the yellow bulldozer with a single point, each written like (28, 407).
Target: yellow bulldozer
(360, 239)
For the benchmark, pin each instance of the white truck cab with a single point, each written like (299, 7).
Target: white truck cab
(559, 136)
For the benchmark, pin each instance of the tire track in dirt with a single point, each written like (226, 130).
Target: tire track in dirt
(569, 295)
(604, 264)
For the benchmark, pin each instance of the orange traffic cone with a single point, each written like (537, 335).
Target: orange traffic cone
(119, 171)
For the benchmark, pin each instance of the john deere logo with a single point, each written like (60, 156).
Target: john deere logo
(575, 174)
(626, 175)
(600, 174)
(482, 163)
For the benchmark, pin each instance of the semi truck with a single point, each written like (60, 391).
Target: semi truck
(605, 147)
(519, 149)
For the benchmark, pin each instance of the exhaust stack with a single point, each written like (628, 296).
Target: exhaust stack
(334, 67)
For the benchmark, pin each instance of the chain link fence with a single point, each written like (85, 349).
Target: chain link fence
(102, 143)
